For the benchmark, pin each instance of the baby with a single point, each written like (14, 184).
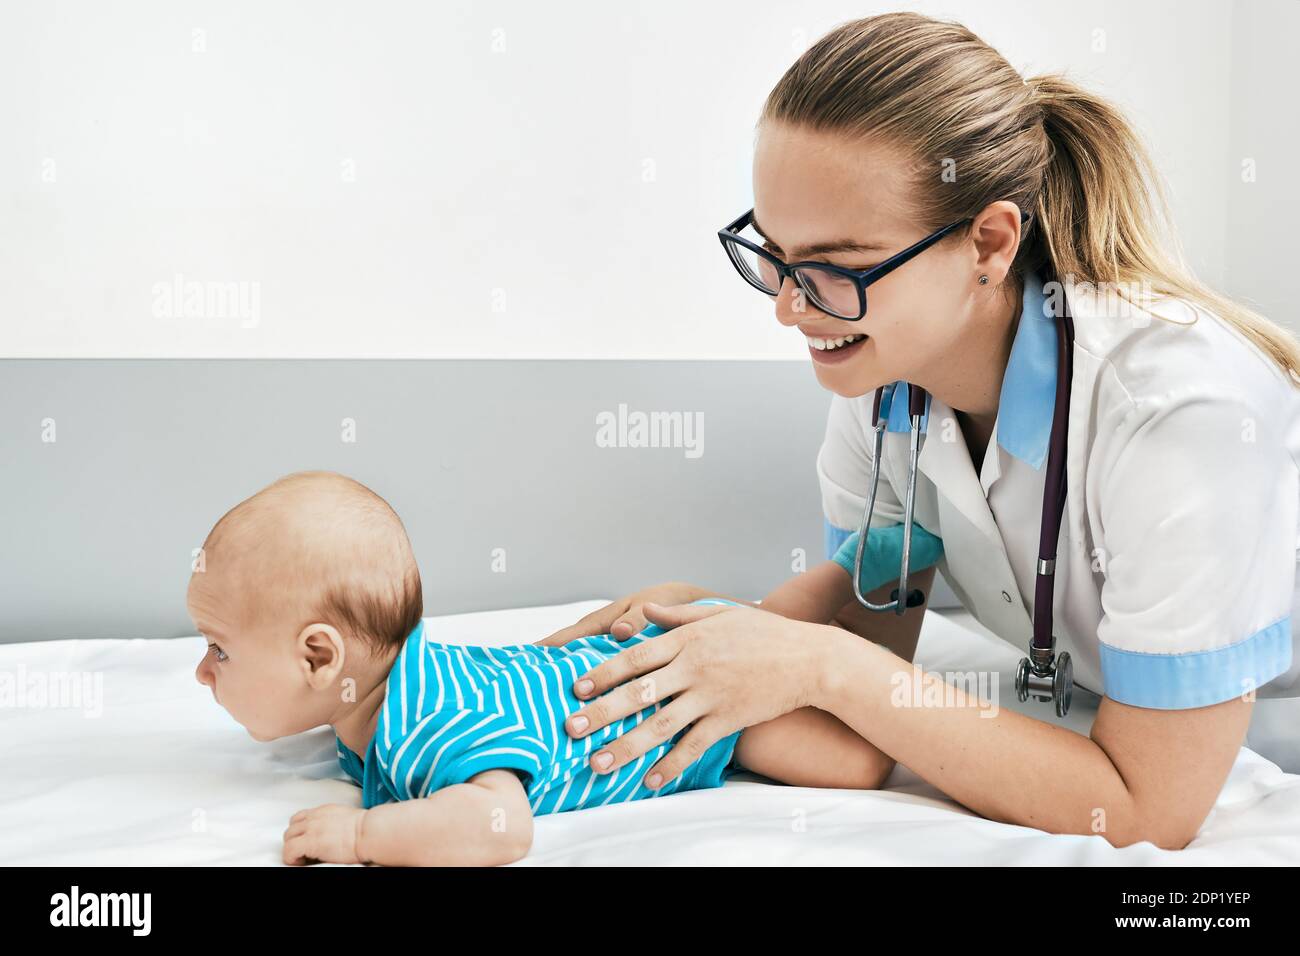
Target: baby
(309, 597)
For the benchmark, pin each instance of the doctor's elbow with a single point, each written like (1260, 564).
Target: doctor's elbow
(1161, 829)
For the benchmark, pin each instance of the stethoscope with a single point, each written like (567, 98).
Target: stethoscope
(1042, 674)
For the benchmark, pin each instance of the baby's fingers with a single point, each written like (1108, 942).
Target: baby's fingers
(295, 849)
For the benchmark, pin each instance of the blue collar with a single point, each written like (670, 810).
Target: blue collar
(1028, 396)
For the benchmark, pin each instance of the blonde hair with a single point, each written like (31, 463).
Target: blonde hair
(949, 101)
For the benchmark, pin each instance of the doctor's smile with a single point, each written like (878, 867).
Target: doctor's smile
(831, 349)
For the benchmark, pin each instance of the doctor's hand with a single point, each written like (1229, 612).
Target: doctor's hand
(725, 668)
(624, 617)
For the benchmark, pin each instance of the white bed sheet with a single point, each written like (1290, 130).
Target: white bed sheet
(164, 776)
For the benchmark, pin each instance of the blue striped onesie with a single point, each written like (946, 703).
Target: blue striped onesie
(452, 711)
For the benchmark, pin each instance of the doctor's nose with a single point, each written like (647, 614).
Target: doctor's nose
(793, 305)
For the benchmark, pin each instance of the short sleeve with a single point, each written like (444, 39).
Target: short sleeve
(1197, 500)
(844, 473)
(452, 745)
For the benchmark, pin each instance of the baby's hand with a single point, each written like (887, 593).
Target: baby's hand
(324, 834)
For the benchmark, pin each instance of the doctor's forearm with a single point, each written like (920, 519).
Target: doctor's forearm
(1006, 767)
(813, 596)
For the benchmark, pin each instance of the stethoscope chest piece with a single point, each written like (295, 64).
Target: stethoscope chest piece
(1044, 676)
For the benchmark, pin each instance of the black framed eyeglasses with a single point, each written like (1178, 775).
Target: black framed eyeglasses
(835, 290)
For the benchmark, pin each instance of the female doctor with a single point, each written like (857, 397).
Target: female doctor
(1175, 568)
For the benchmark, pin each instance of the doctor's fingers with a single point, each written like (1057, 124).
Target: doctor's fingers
(597, 622)
(636, 661)
(655, 730)
(669, 616)
(690, 748)
(637, 694)
(631, 622)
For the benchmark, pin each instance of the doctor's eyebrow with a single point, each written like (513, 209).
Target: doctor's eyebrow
(824, 248)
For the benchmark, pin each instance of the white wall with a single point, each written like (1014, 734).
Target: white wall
(466, 179)
(1263, 191)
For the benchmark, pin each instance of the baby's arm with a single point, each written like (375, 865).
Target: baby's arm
(812, 748)
(485, 821)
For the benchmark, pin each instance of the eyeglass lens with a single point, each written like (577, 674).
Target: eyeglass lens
(829, 292)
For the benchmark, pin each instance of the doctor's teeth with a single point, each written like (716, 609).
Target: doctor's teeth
(823, 345)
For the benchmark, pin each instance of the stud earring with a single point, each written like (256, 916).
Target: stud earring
(984, 280)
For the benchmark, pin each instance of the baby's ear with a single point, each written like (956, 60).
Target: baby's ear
(322, 650)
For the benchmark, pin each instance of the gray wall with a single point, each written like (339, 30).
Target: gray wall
(99, 524)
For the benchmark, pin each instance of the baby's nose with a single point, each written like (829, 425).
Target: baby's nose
(201, 673)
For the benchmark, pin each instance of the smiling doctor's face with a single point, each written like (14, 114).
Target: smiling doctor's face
(816, 189)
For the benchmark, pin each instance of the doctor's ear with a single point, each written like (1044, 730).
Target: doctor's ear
(995, 232)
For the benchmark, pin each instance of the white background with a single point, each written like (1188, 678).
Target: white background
(518, 179)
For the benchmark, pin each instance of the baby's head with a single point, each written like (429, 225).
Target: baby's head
(310, 581)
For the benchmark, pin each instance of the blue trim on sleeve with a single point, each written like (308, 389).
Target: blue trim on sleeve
(834, 537)
(882, 558)
(1199, 678)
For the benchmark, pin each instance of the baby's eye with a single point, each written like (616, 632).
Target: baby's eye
(221, 655)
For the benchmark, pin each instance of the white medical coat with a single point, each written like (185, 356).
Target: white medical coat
(1176, 575)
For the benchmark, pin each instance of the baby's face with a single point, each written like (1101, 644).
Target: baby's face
(251, 663)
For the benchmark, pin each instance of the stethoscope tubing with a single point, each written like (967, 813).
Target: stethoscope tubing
(1054, 493)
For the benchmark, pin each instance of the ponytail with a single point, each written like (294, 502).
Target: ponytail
(1103, 214)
